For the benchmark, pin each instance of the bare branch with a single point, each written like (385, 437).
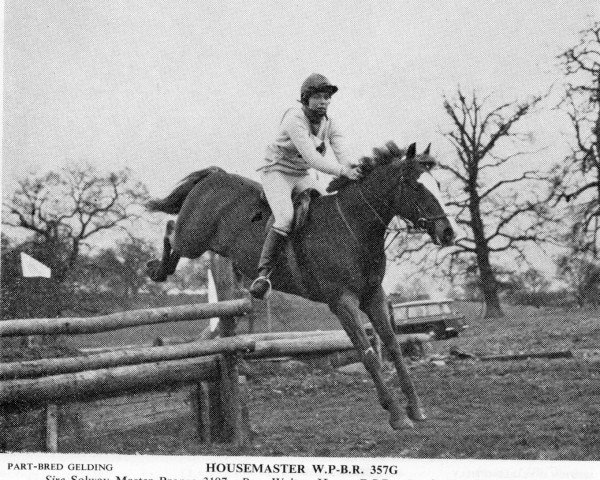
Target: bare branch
(72, 205)
(529, 175)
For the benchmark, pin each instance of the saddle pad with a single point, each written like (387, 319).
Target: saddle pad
(301, 203)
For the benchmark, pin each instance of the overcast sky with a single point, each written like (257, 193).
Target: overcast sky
(167, 88)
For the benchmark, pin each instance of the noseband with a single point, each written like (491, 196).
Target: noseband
(424, 222)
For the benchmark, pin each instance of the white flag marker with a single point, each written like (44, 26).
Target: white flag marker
(212, 297)
(33, 268)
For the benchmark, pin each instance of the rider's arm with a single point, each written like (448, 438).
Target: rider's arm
(299, 134)
(338, 145)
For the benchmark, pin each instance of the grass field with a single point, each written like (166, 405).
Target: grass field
(533, 409)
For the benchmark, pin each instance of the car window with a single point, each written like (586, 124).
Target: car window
(417, 311)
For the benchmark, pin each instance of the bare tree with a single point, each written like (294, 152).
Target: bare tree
(192, 274)
(577, 180)
(64, 209)
(531, 288)
(497, 206)
(582, 276)
(121, 269)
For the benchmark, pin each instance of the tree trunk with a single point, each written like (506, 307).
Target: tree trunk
(224, 277)
(488, 283)
(490, 291)
(228, 284)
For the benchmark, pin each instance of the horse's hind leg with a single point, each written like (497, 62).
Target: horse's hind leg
(347, 310)
(159, 270)
(376, 308)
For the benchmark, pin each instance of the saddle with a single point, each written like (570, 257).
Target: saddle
(301, 202)
(294, 256)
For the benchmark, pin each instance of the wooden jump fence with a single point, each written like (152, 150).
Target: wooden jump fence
(211, 367)
(117, 321)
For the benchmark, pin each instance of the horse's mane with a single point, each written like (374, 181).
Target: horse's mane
(381, 156)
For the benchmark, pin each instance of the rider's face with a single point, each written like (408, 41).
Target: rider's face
(318, 102)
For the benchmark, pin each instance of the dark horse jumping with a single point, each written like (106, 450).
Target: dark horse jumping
(336, 257)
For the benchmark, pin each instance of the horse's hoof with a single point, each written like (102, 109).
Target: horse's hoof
(398, 419)
(153, 271)
(402, 423)
(416, 413)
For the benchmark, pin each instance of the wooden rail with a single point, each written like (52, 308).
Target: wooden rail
(107, 381)
(276, 345)
(326, 342)
(120, 358)
(211, 365)
(117, 321)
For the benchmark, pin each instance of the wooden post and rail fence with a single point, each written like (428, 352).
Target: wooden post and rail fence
(217, 400)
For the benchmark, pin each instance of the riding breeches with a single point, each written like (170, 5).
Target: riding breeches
(279, 188)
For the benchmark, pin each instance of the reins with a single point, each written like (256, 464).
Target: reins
(420, 226)
(349, 227)
(388, 230)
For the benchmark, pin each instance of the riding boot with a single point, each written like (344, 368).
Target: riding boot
(274, 243)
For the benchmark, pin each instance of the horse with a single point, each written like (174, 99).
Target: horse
(337, 257)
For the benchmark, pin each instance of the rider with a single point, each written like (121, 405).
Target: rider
(300, 145)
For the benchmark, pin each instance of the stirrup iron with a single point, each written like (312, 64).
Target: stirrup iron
(259, 295)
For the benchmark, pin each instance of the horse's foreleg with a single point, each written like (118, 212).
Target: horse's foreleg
(159, 270)
(347, 310)
(376, 308)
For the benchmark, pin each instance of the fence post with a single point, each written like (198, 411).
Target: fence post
(3, 429)
(201, 408)
(234, 430)
(215, 410)
(243, 385)
(51, 428)
(226, 403)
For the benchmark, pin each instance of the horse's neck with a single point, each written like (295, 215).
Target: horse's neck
(370, 201)
(367, 213)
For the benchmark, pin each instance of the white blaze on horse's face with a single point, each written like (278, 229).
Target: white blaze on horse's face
(426, 179)
(430, 183)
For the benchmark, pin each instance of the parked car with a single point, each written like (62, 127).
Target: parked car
(435, 317)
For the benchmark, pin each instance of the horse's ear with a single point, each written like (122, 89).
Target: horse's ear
(426, 151)
(412, 150)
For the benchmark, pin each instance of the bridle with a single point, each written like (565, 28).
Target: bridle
(420, 226)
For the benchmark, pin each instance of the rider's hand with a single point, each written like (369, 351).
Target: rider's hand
(352, 173)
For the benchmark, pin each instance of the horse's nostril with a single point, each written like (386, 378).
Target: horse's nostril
(448, 235)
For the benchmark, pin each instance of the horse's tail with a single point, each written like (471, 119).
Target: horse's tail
(173, 202)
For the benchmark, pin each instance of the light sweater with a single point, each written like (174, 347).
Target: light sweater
(294, 150)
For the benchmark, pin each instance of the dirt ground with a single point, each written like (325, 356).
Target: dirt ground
(532, 409)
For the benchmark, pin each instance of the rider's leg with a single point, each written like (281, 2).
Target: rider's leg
(274, 243)
(278, 190)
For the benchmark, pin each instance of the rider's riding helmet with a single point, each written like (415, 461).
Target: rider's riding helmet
(313, 84)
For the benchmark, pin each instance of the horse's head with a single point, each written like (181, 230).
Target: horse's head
(410, 191)
(418, 198)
